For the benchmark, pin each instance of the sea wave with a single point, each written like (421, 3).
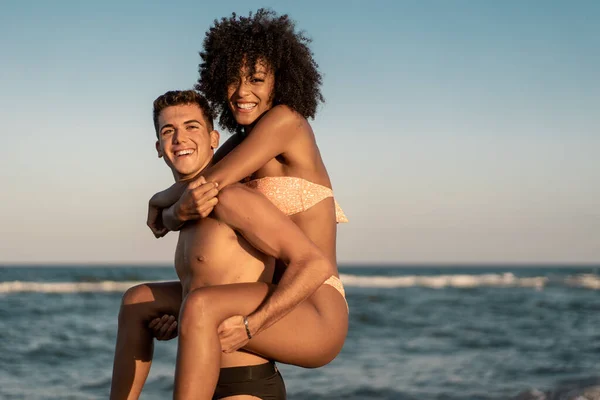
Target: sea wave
(588, 281)
(442, 281)
(500, 280)
(66, 287)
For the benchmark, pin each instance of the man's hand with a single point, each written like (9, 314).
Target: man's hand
(232, 333)
(197, 201)
(164, 328)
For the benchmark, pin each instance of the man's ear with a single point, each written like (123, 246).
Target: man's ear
(214, 139)
(158, 150)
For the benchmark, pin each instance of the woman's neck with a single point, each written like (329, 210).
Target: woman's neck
(247, 129)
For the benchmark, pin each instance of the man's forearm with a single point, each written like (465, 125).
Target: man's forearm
(299, 281)
(165, 202)
(170, 218)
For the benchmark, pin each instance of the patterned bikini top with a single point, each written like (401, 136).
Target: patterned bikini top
(293, 195)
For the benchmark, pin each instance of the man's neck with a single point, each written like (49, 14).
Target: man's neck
(191, 177)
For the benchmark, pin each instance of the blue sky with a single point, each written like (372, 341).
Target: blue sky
(453, 131)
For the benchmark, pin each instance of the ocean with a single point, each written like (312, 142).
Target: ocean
(464, 333)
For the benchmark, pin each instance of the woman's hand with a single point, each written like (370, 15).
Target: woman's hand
(197, 201)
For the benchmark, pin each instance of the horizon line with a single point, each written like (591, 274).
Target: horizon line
(445, 264)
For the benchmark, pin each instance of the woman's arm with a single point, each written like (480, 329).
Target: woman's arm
(196, 201)
(272, 136)
(230, 144)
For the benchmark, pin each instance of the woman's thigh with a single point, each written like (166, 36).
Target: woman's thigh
(310, 335)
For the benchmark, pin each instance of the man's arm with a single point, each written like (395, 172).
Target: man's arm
(169, 196)
(174, 216)
(273, 135)
(270, 231)
(196, 201)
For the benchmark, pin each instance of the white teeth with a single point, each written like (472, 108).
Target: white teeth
(183, 152)
(246, 106)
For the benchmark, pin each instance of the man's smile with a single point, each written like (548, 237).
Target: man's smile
(185, 152)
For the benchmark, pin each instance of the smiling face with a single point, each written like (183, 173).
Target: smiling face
(251, 95)
(184, 140)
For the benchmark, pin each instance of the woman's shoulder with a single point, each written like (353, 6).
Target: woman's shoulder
(289, 121)
(286, 114)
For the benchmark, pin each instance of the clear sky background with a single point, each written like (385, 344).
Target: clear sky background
(453, 131)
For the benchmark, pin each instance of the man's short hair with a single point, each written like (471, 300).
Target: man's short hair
(182, 97)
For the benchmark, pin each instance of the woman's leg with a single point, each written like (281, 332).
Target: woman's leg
(135, 345)
(311, 335)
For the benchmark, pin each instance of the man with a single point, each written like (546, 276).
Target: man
(224, 248)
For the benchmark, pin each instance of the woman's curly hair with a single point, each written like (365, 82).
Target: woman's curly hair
(236, 42)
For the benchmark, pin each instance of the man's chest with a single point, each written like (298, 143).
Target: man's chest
(205, 242)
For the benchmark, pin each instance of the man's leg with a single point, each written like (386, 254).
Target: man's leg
(241, 397)
(135, 344)
(309, 336)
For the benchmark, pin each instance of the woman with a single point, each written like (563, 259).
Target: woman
(259, 74)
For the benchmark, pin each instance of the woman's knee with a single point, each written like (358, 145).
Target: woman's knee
(135, 305)
(196, 311)
(136, 295)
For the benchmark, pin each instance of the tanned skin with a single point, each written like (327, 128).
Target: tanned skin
(221, 257)
(278, 142)
(237, 243)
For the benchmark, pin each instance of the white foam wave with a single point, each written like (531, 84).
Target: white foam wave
(441, 281)
(584, 281)
(588, 281)
(65, 287)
